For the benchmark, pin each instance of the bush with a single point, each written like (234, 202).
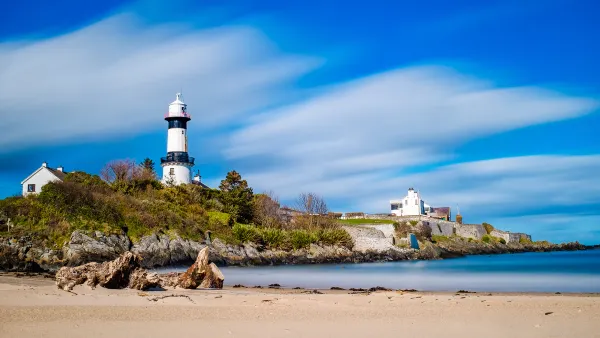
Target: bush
(423, 232)
(488, 227)
(335, 237)
(273, 237)
(300, 239)
(413, 223)
(402, 229)
(501, 240)
(486, 238)
(246, 233)
(525, 240)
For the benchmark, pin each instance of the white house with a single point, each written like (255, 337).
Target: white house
(413, 205)
(410, 205)
(33, 183)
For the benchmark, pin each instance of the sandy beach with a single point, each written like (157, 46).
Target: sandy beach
(34, 307)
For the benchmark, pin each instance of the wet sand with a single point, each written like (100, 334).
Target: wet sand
(33, 307)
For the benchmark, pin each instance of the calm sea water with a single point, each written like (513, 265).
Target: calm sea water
(575, 271)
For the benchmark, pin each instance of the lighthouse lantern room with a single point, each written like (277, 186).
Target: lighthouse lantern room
(177, 164)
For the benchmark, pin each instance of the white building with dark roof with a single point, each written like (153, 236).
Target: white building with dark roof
(33, 183)
(413, 205)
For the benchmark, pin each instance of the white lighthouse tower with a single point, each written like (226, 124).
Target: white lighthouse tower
(177, 165)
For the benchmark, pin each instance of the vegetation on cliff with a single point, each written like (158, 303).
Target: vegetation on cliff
(128, 198)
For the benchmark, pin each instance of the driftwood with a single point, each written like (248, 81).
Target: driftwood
(126, 272)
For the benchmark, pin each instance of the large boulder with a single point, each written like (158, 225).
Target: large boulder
(201, 274)
(162, 250)
(95, 247)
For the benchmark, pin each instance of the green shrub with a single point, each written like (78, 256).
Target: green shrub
(335, 237)
(413, 223)
(246, 233)
(501, 240)
(300, 239)
(525, 240)
(486, 238)
(488, 227)
(274, 237)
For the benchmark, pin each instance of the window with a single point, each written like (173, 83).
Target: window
(172, 171)
(394, 206)
(182, 132)
(416, 202)
(31, 188)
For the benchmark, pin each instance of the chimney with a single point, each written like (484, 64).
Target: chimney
(60, 168)
(44, 164)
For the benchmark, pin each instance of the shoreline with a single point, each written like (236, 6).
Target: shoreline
(45, 279)
(34, 306)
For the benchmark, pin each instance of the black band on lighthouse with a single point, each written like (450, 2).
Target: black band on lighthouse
(177, 156)
(178, 124)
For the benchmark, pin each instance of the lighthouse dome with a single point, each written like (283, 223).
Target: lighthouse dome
(178, 108)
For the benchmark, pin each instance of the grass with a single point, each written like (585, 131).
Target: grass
(439, 238)
(360, 221)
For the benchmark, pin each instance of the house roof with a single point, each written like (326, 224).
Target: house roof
(59, 174)
(200, 184)
(441, 210)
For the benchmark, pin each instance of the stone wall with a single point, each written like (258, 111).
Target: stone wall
(440, 228)
(475, 231)
(369, 238)
(509, 237)
(448, 228)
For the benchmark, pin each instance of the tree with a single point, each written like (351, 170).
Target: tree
(266, 210)
(237, 197)
(128, 177)
(311, 204)
(314, 212)
(119, 171)
(147, 169)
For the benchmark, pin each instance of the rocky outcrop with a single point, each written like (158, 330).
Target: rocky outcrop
(25, 254)
(96, 247)
(125, 271)
(161, 250)
(456, 246)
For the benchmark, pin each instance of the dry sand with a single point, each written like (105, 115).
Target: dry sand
(34, 307)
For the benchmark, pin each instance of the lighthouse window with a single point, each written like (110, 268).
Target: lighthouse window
(182, 132)
(172, 171)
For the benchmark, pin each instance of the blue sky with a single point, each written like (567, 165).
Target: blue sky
(490, 106)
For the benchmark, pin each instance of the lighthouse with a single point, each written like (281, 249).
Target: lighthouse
(177, 164)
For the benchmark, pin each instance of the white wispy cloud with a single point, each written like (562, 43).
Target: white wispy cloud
(365, 142)
(118, 76)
